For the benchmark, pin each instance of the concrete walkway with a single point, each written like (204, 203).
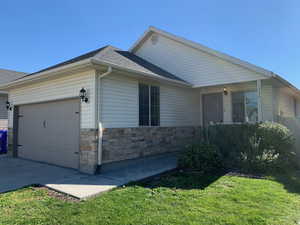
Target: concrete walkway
(17, 173)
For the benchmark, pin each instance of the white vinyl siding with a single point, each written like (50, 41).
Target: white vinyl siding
(267, 99)
(119, 103)
(298, 108)
(3, 110)
(59, 88)
(286, 104)
(192, 65)
(3, 124)
(179, 107)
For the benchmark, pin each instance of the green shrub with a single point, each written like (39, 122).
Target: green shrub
(275, 137)
(201, 157)
(254, 148)
(231, 139)
(277, 142)
(257, 147)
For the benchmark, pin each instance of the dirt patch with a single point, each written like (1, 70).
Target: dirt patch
(57, 195)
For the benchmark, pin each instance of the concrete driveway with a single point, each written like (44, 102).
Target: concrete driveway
(16, 173)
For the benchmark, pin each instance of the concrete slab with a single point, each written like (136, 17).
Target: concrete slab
(83, 188)
(115, 175)
(16, 173)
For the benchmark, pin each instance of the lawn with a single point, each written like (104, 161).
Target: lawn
(176, 198)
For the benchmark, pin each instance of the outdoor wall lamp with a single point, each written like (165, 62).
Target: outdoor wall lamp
(8, 105)
(82, 95)
(225, 91)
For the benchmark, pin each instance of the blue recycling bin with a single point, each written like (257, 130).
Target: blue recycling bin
(3, 141)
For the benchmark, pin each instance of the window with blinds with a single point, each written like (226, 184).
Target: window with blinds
(149, 105)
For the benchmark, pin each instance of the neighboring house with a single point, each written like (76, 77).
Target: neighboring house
(5, 77)
(148, 100)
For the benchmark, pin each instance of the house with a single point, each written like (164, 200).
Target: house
(148, 100)
(5, 77)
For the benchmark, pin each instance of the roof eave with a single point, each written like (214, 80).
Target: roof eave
(46, 74)
(81, 64)
(286, 83)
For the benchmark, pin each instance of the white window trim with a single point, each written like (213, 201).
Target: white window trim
(245, 107)
(149, 110)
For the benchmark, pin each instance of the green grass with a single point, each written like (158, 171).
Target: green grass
(173, 199)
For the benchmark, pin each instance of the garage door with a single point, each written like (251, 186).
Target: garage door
(49, 132)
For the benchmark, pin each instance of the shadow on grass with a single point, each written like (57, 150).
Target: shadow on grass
(180, 180)
(190, 180)
(290, 180)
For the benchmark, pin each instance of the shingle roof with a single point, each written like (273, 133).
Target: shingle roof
(7, 76)
(120, 58)
(73, 60)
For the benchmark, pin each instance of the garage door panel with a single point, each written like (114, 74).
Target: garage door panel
(49, 132)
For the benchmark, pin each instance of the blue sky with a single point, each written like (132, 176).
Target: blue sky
(36, 34)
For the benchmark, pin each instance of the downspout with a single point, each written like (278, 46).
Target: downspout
(98, 116)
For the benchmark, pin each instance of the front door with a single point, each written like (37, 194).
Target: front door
(212, 108)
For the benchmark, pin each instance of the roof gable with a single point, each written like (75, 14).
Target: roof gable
(135, 47)
(268, 74)
(193, 65)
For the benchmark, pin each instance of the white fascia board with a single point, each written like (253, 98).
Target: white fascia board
(200, 47)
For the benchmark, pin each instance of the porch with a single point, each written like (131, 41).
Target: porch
(237, 102)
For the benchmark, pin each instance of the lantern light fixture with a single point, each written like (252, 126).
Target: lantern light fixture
(8, 105)
(83, 95)
(225, 91)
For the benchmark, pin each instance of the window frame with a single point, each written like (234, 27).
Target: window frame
(150, 104)
(244, 105)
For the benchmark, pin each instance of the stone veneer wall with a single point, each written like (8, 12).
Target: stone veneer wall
(128, 143)
(88, 150)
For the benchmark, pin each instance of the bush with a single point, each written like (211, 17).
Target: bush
(231, 139)
(276, 143)
(257, 147)
(275, 137)
(254, 148)
(201, 157)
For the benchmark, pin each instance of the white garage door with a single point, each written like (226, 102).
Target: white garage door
(49, 132)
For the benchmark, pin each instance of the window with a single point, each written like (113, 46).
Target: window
(149, 105)
(155, 110)
(244, 107)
